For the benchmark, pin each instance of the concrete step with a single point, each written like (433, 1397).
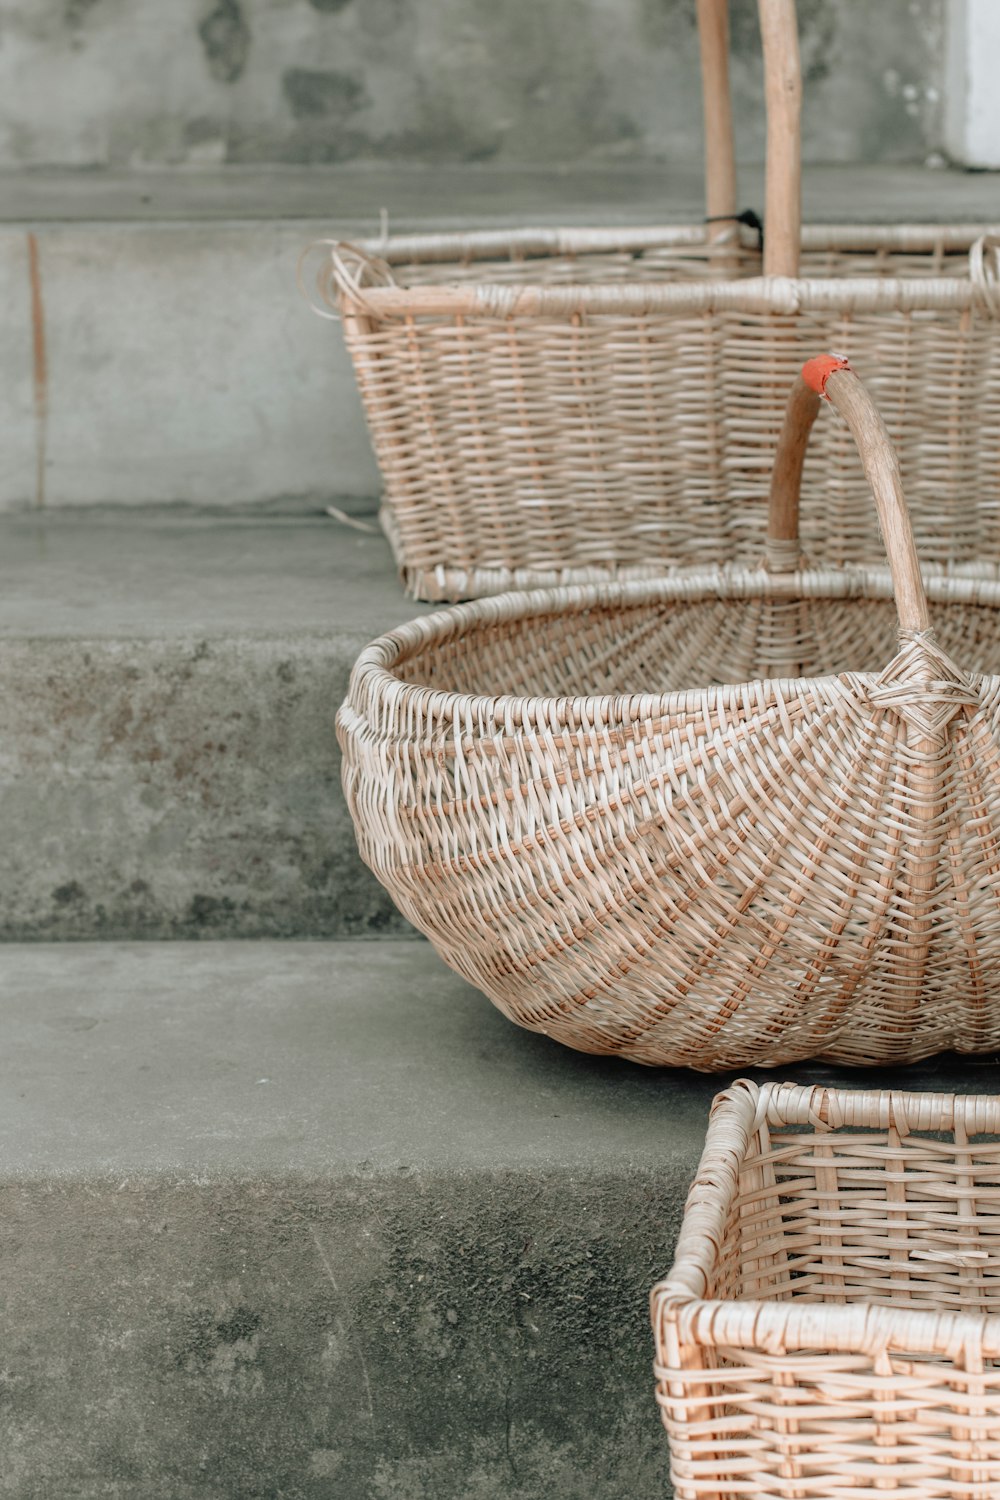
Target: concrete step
(315, 1221)
(157, 350)
(168, 684)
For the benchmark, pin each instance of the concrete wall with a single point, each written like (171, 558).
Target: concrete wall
(180, 363)
(97, 83)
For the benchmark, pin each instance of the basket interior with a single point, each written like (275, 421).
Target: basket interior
(669, 645)
(866, 1215)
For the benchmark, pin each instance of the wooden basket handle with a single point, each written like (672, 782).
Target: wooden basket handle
(831, 376)
(783, 99)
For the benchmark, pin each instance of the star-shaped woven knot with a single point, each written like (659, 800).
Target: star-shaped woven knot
(923, 685)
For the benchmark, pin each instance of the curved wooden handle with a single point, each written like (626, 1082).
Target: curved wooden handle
(833, 377)
(783, 96)
(717, 109)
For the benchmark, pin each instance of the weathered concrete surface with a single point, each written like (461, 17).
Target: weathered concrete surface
(178, 365)
(430, 1338)
(125, 1058)
(151, 356)
(22, 410)
(348, 200)
(168, 684)
(94, 83)
(157, 572)
(316, 1221)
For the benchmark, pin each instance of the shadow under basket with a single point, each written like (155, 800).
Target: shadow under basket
(831, 1323)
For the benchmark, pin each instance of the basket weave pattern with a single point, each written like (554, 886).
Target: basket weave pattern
(533, 432)
(670, 875)
(831, 1324)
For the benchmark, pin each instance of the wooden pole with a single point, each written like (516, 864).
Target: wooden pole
(783, 98)
(720, 151)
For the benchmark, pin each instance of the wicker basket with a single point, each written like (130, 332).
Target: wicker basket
(556, 407)
(831, 1324)
(648, 819)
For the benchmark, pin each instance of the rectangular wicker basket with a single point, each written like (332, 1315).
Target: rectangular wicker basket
(831, 1325)
(553, 406)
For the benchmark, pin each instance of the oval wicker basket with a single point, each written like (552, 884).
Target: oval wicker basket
(571, 406)
(699, 820)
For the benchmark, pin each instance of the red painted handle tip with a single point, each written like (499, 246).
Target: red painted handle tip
(816, 372)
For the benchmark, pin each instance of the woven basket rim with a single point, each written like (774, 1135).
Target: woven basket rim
(785, 1103)
(785, 295)
(531, 241)
(805, 1327)
(376, 662)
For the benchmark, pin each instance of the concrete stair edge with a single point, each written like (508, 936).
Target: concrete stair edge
(314, 1220)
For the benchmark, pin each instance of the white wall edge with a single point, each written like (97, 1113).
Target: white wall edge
(972, 82)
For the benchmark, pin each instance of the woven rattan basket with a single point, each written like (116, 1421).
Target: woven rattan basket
(831, 1324)
(554, 406)
(714, 819)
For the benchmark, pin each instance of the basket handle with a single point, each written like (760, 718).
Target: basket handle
(783, 100)
(783, 97)
(717, 110)
(831, 376)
